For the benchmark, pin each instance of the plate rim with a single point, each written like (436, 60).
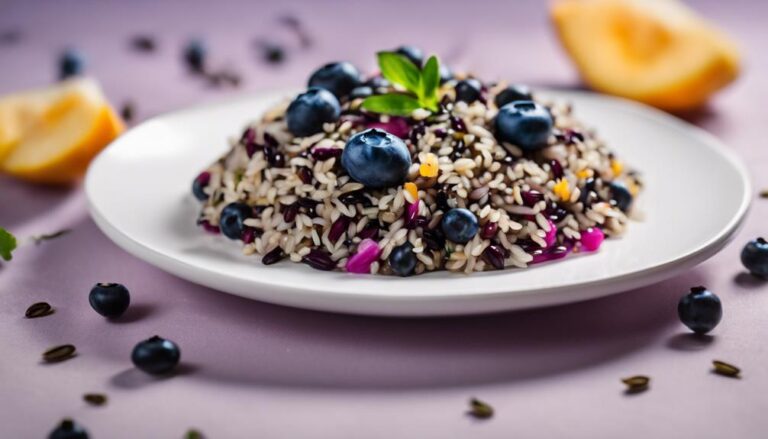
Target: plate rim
(333, 300)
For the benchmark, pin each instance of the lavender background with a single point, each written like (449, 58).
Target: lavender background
(257, 370)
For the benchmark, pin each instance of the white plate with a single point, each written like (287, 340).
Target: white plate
(697, 193)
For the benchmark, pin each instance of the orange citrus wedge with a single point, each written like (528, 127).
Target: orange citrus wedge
(53, 134)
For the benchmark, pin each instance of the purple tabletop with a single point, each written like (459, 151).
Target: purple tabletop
(251, 369)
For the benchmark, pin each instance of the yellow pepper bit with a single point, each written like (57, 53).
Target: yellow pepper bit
(617, 167)
(412, 189)
(585, 173)
(429, 167)
(562, 190)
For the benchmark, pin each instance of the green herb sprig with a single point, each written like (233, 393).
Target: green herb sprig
(421, 85)
(7, 244)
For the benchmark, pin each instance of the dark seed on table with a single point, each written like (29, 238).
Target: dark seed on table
(479, 409)
(194, 434)
(273, 256)
(95, 398)
(494, 255)
(725, 369)
(489, 230)
(557, 168)
(127, 111)
(10, 36)
(764, 193)
(637, 383)
(39, 309)
(271, 52)
(319, 260)
(59, 353)
(290, 212)
(143, 43)
(338, 228)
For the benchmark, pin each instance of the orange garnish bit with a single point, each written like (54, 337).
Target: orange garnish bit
(429, 168)
(412, 189)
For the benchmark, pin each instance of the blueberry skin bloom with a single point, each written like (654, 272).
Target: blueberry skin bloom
(310, 110)
(512, 93)
(754, 256)
(376, 159)
(71, 63)
(459, 225)
(525, 124)
(339, 78)
(413, 53)
(109, 299)
(232, 218)
(156, 355)
(468, 90)
(402, 260)
(700, 310)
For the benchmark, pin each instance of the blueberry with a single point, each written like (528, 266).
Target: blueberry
(377, 82)
(445, 73)
(156, 355)
(402, 260)
(71, 63)
(194, 56)
(512, 93)
(459, 225)
(376, 158)
(620, 195)
(109, 299)
(525, 124)
(339, 78)
(700, 310)
(199, 184)
(362, 91)
(310, 110)
(468, 90)
(232, 218)
(414, 54)
(755, 257)
(68, 429)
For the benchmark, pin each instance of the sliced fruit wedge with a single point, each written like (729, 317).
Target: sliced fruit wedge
(655, 51)
(57, 143)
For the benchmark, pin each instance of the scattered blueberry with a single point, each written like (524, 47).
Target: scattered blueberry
(402, 260)
(338, 77)
(310, 110)
(71, 63)
(445, 73)
(199, 184)
(512, 93)
(459, 225)
(620, 195)
(376, 158)
(700, 310)
(156, 355)
(68, 429)
(194, 55)
(232, 218)
(272, 53)
(109, 299)
(362, 91)
(525, 124)
(414, 54)
(468, 90)
(754, 256)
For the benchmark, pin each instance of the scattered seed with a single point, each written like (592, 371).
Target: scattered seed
(39, 309)
(10, 36)
(59, 353)
(127, 111)
(725, 369)
(764, 193)
(143, 43)
(637, 383)
(95, 398)
(47, 237)
(272, 52)
(194, 434)
(479, 409)
(293, 23)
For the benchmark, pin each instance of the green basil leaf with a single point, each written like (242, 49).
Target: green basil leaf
(397, 69)
(430, 82)
(394, 104)
(7, 244)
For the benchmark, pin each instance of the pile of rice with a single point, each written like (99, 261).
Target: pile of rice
(308, 209)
